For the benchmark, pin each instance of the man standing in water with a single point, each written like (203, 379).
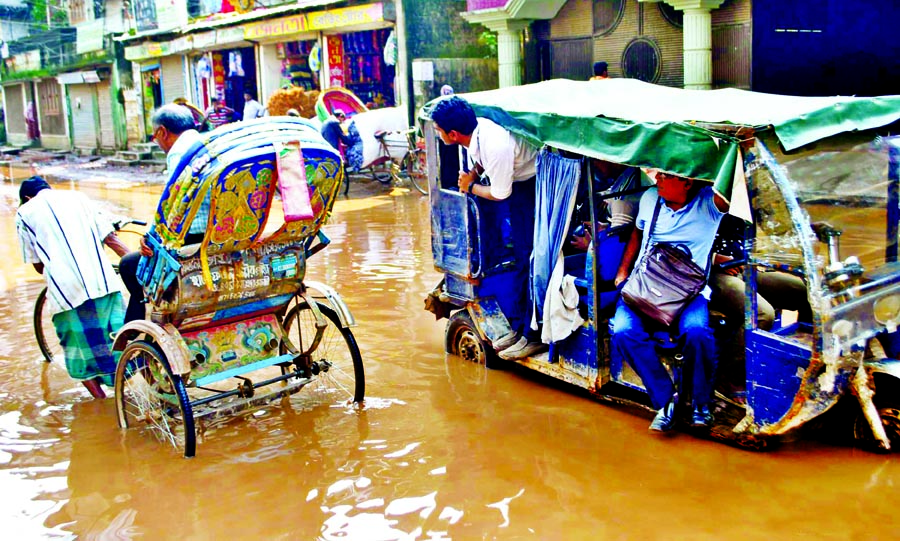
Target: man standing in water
(173, 131)
(509, 162)
(62, 234)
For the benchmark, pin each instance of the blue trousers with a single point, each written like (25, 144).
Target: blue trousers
(631, 343)
(521, 218)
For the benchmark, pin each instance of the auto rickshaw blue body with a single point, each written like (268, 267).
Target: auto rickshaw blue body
(795, 371)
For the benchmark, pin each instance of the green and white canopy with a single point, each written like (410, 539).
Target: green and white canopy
(646, 125)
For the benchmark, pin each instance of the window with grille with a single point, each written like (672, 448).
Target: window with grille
(675, 17)
(641, 60)
(607, 15)
(78, 11)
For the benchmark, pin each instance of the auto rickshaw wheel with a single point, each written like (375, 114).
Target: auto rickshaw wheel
(335, 366)
(149, 396)
(887, 402)
(462, 339)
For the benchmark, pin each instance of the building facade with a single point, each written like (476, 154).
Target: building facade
(312, 44)
(803, 47)
(61, 85)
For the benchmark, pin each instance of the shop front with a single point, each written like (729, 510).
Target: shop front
(198, 67)
(343, 47)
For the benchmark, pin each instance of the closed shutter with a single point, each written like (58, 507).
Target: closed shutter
(731, 56)
(81, 99)
(15, 109)
(172, 72)
(571, 59)
(107, 134)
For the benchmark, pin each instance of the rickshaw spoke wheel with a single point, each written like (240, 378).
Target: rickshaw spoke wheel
(150, 398)
(337, 374)
(44, 331)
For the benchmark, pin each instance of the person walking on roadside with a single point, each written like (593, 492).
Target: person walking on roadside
(509, 162)
(252, 108)
(218, 114)
(173, 131)
(601, 71)
(62, 234)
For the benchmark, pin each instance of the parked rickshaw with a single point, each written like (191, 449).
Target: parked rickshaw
(336, 99)
(784, 162)
(236, 306)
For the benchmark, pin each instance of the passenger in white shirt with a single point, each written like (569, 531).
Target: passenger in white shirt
(252, 108)
(62, 234)
(509, 162)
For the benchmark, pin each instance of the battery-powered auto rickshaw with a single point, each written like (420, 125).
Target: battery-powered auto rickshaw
(812, 177)
(235, 305)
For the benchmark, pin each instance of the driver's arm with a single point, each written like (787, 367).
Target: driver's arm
(113, 241)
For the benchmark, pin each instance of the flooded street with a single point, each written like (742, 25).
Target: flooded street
(442, 450)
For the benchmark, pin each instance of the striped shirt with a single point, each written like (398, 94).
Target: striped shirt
(64, 230)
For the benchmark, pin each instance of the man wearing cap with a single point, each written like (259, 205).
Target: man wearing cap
(62, 234)
(685, 212)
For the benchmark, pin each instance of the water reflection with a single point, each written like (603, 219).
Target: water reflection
(443, 449)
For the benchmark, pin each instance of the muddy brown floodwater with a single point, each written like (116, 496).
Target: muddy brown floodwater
(442, 450)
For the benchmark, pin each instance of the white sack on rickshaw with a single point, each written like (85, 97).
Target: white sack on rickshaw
(389, 119)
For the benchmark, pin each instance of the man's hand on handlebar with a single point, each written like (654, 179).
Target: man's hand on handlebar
(145, 250)
(728, 265)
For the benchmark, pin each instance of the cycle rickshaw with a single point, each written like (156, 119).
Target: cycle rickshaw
(786, 162)
(236, 305)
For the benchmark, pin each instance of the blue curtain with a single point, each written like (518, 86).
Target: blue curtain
(556, 187)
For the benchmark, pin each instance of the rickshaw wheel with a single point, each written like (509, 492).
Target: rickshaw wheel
(148, 395)
(337, 370)
(887, 401)
(462, 339)
(44, 332)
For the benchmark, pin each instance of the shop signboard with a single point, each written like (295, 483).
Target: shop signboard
(204, 39)
(89, 36)
(284, 26)
(148, 50)
(160, 14)
(350, 16)
(171, 14)
(145, 15)
(218, 76)
(230, 35)
(184, 43)
(335, 60)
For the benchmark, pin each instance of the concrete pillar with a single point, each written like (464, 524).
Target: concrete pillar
(403, 95)
(697, 40)
(509, 49)
(697, 49)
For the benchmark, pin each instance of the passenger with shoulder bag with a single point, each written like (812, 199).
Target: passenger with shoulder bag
(665, 280)
(668, 286)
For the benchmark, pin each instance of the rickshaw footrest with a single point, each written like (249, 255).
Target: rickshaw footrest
(243, 369)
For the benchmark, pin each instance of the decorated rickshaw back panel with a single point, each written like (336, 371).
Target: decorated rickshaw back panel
(222, 347)
(259, 279)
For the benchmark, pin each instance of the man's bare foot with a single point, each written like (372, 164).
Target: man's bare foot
(93, 387)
